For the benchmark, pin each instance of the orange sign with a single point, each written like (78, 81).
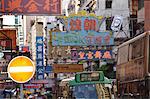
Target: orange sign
(21, 69)
(67, 68)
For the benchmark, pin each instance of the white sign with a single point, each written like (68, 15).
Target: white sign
(117, 22)
(1, 54)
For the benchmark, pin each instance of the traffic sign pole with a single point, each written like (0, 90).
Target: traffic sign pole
(21, 69)
(21, 92)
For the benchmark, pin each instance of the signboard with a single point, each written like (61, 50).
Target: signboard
(5, 39)
(93, 76)
(67, 68)
(33, 86)
(82, 30)
(39, 81)
(91, 54)
(21, 69)
(48, 69)
(25, 48)
(117, 22)
(1, 54)
(39, 57)
(82, 38)
(52, 7)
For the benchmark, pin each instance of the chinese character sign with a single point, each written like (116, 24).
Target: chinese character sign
(31, 6)
(39, 57)
(83, 38)
(82, 31)
(83, 24)
(91, 54)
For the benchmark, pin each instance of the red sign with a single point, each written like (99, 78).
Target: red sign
(89, 24)
(32, 86)
(31, 6)
(6, 36)
(25, 48)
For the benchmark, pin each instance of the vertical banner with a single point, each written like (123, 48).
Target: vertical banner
(39, 57)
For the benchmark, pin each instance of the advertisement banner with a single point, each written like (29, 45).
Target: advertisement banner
(39, 58)
(51, 7)
(91, 54)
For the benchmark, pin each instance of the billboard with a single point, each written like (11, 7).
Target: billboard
(51, 7)
(6, 36)
(82, 31)
(82, 38)
(39, 57)
(91, 54)
(67, 68)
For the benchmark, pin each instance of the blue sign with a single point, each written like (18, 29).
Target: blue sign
(48, 69)
(85, 38)
(39, 57)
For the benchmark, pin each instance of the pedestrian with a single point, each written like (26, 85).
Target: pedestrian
(4, 93)
(115, 89)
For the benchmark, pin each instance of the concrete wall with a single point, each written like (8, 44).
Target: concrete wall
(119, 7)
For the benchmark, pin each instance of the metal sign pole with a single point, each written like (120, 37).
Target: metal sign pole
(21, 91)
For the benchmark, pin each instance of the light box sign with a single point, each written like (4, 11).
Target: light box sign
(82, 31)
(67, 68)
(91, 54)
(52, 7)
(8, 36)
(39, 58)
(84, 38)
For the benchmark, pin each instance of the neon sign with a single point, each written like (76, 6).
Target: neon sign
(91, 54)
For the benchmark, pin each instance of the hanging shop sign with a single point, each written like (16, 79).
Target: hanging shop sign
(8, 39)
(117, 22)
(25, 48)
(1, 54)
(67, 68)
(39, 57)
(82, 30)
(82, 38)
(91, 54)
(32, 86)
(51, 7)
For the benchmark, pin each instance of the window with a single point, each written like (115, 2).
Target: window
(140, 4)
(108, 4)
(16, 19)
(137, 49)
(1, 22)
(108, 23)
(123, 53)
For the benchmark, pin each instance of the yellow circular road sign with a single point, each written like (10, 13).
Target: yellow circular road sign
(21, 69)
